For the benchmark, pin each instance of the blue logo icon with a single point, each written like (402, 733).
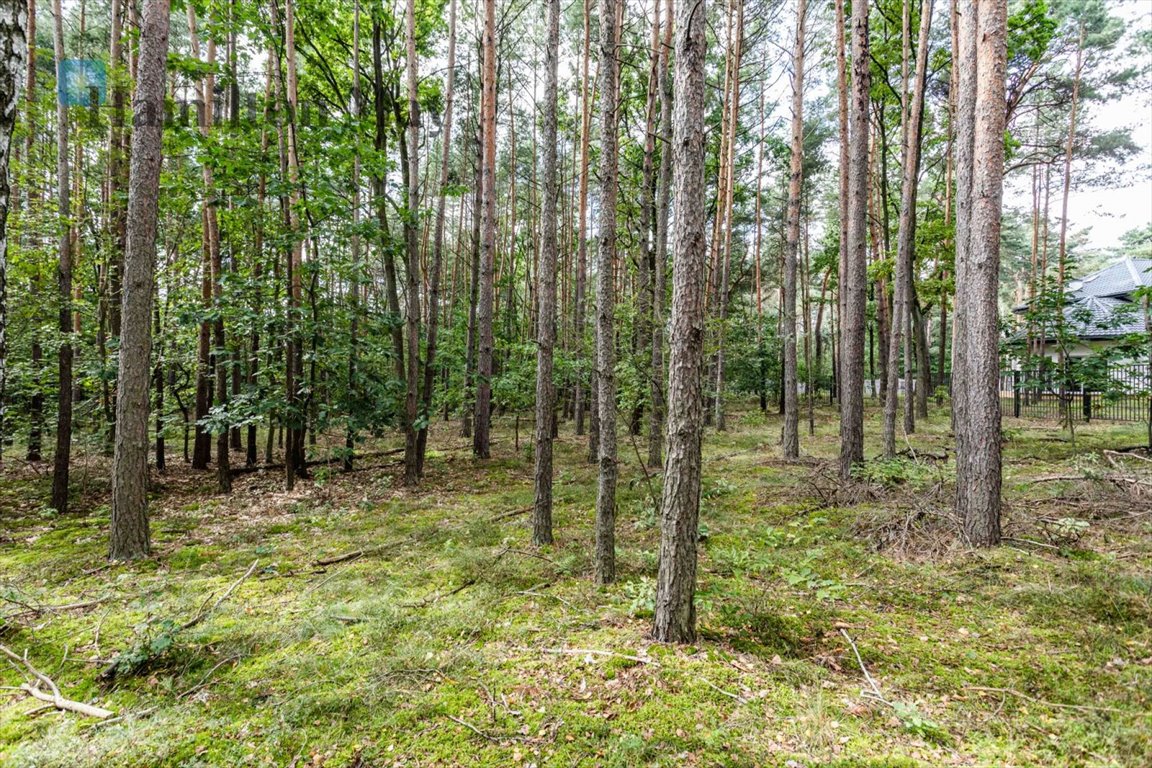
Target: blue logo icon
(82, 83)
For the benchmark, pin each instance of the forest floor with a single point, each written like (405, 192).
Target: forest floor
(449, 640)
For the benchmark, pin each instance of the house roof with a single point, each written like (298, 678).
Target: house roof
(1118, 279)
(1103, 317)
(1099, 305)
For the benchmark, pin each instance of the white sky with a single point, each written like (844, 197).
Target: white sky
(1109, 213)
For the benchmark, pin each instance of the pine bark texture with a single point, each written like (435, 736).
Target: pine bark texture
(675, 615)
(980, 164)
(605, 560)
(480, 435)
(905, 237)
(546, 291)
(791, 441)
(854, 286)
(129, 528)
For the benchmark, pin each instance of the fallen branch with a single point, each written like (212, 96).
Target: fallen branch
(593, 652)
(875, 693)
(203, 614)
(513, 513)
(1043, 702)
(339, 558)
(54, 698)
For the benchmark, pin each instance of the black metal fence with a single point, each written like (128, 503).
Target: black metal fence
(1113, 393)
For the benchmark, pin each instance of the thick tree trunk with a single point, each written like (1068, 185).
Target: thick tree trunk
(675, 618)
(854, 289)
(546, 292)
(791, 439)
(980, 171)
(129, 528)
(605, 559)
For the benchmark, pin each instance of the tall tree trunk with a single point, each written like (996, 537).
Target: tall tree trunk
(410, 149)
(354, 297)
(129, 528)
(675, 617)
(13, 60)
(36, 398)
(980, 171)
(546, 291)
(438, 244)
(481, 439)
(657, 412)
(906, 238)
(64, 284)
(853, 318)
(791, 439)
(582, 234)
(605, 559)
(844, 194)
(726, 232)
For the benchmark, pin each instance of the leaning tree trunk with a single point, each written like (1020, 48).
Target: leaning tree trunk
(791, 441)
(129, 528)
(856, 255)
(605, 559)
(13, 54)
(980, 174)
(675, 618)
(546, 292)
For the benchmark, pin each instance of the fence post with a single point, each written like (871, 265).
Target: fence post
(1016, 394)
(1087, 405)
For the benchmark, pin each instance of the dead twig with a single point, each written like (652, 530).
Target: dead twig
(53, 695)
(1043, 702)
(513, 513)
(593, 652)
(875, 692)
(203, 613)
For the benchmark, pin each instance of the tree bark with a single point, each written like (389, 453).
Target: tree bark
(980, 171)
(481, 440)
(64, 286)
(13, 60)
(791, 439)
(410, 151)
(438, 244)
(656, 413)
(129, 527)
(855, 274)
(906, 238)
(546, 291)
(605, 559)
(675, 616)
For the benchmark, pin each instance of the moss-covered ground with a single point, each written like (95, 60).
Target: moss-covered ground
(451, 641)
